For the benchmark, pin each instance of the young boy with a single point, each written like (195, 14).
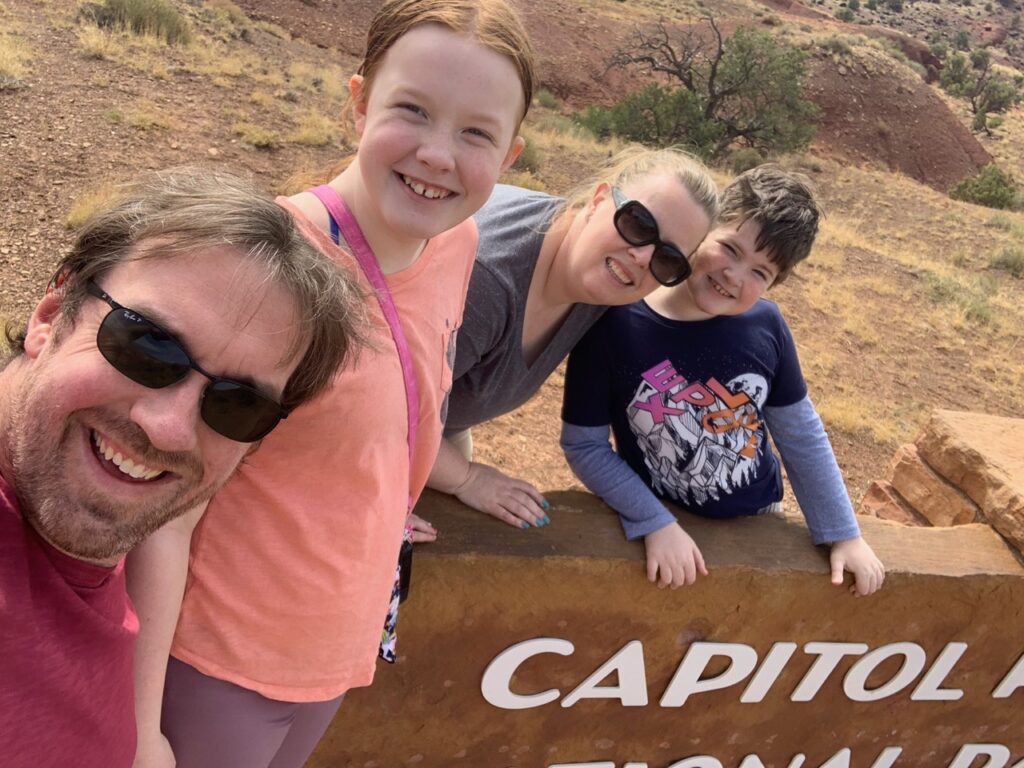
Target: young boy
(692, 379)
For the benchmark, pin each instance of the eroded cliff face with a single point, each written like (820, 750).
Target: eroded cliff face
(963, 467)
(872, 109)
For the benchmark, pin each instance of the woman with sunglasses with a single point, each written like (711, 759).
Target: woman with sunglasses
(546, 269)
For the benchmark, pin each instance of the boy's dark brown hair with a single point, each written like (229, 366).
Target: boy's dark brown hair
(783, 203)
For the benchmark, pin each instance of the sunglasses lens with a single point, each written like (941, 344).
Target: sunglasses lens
(140, 350)
(239, 412)
(636, 224)
(669, 266)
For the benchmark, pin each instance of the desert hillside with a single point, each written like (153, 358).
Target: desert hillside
(910, 301)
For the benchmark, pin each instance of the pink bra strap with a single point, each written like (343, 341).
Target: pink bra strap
(356, 241)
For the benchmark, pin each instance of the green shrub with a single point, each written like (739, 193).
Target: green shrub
(853, 5)
(844, 14)
(1000, 221)
(840, 45)
(744, 159)
(159, 18)
(896, 6)
(971, 298)
(547, 99)
(530, 159)
(991, 187)
(753, 97)
(871, 5)
(1009, 260)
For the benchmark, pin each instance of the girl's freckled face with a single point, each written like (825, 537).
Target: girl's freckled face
(437, 129)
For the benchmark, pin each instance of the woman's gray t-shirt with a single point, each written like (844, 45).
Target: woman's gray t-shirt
(490, 375)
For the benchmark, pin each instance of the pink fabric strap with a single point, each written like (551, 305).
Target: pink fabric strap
(356, 241)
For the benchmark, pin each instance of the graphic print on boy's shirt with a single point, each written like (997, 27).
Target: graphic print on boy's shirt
(699, 439)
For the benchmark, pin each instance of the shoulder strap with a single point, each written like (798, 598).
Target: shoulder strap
(343, 220)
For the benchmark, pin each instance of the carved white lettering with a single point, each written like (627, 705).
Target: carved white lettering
(497, 679)
(687, 679)
(829, 656)
(700, 761)
(1014, 679)
(855, 682)
(998, 756)
(632, 685)
(768, 673)
(929, 688)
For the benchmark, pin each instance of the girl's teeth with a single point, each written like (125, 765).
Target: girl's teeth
(431, 193)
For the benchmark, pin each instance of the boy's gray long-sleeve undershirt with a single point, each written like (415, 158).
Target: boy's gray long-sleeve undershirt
(803, 445)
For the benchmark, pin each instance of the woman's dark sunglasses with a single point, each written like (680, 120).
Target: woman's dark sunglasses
(148, 355)
(637, 226)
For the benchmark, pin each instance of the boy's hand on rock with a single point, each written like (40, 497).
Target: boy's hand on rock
(855, 556)
(673, 558)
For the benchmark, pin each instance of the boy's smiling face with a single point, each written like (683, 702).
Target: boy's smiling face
(729, 272)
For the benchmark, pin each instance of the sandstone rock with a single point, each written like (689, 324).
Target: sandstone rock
(484, 588)
(982, 455)
(925, 491)
(884, 502)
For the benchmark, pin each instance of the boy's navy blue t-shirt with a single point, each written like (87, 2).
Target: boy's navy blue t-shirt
(685, 401)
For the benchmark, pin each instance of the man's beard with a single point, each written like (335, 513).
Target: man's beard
(90, 525)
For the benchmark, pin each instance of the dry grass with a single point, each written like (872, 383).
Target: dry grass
(256, 136)
(227, 20)
(262, 99)
(855, 412)
(142, 53)
(274, 30)
(315, 77)
(15, 55)
(143, 116)
(92, 201)
(150, 18)
(315, 129)
(98, 44)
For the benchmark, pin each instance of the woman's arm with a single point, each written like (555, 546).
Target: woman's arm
(156, 573)
(487, 489)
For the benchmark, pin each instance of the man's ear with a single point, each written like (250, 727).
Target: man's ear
(42, 321)
(355, 87)
(518, 145)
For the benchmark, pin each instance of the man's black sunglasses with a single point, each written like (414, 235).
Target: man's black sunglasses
(637, 226)
(148, 355)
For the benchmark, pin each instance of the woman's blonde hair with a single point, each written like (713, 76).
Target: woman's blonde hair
(635, 163)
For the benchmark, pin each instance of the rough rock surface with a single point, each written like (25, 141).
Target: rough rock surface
(882, 501)
(927, 492)
(983, 456)
(485, 587)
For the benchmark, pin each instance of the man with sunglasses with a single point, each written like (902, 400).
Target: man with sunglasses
(692, 380)
(183, 325)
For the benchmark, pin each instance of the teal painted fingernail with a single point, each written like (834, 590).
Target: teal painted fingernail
(545, 504)
(525, 525)
(547, 520)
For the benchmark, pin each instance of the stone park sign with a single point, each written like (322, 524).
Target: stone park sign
(548, 648)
